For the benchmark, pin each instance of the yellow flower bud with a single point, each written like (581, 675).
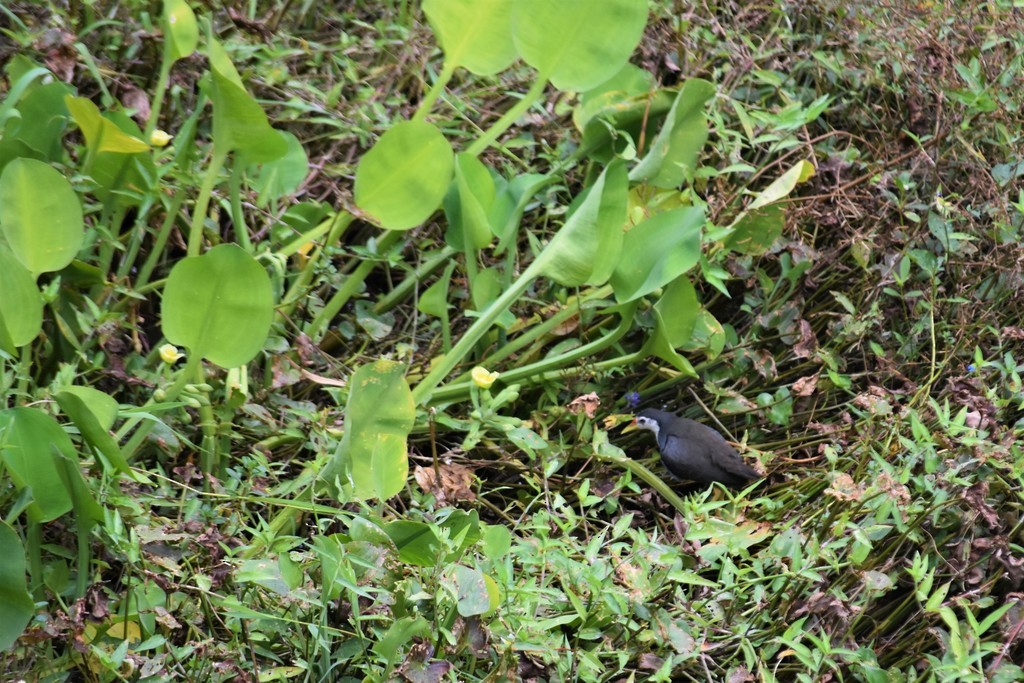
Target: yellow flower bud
(482, 378)
(160, 138)
(169, 354)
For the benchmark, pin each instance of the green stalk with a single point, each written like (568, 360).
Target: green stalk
(656, 482)
(170, 394)
(135, 241)
(422, 392)
(349, 288)
(336, 228)
(510, 117)
(161, 240)
(435, 91)
(545, 369)
(392, 298)
(542, 329)
(33, 548)
(237, 217)
(163, 80)
(195, 235)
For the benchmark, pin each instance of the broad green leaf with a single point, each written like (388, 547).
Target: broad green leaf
(756, 230)
(672, 156)
(509, 203)
(496, 541)
(675, 315)
(468, 204)
(126, 179)
(615, 95)
(239, 123)
(463, 527)
(16, 605)
(44, 117)
(219, 305)
(40, 215)
(577, 44)
(402, 180)
(473, 33)
(281, 177)
(399, 635)
(417, 542)
(93, 412)
(21, 305)
(783, 185)
(26, 435)
(469, 588)
(181, 33)
(379, 414)
(587, 248)
(101, 134)
(708, 335)
(657, 251)
(434, 301)
(620, 113)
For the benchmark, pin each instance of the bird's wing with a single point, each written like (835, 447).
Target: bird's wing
(732, 462)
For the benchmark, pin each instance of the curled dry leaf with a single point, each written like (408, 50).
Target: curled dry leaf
(893, 488)
(455, 483)
(975, 496)
(808, 343)
(844, 488)
(588, 403)
(805, 386)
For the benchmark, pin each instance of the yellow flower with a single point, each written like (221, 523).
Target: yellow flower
(482, 378)
(159, 138)
(169, 354)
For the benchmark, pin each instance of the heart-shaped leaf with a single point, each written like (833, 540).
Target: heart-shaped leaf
(21, 306)
(577, 44)
(219, 305)
(379, 414)
(417, 542)
(26, 436)
(657, 251)
(468, 204)
(402, 180)
(756, 230)
(101, 134)
(672, 156)
(239, 122)
(181, 33)
(93, 412)
(281, 177)
(587, 248)
(16, 605)
(469, 588)
(473, 33)
(40, 215)
(675, 315)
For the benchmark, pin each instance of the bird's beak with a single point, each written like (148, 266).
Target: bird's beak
(631, 427)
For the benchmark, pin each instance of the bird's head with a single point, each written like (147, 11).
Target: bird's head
(647, 420)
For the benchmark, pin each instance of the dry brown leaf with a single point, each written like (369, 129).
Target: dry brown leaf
(588, 403)
(808, 343)
(805, 386)
(455, 483)
(844, 488)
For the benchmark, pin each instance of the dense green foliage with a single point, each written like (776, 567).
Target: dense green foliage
(318, 325)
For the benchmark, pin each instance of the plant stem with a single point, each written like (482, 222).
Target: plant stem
(435, 91)
(348, 288)
(509, 117)
(195, 235)
(335, 229)
(422, 391)
(546, 369)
